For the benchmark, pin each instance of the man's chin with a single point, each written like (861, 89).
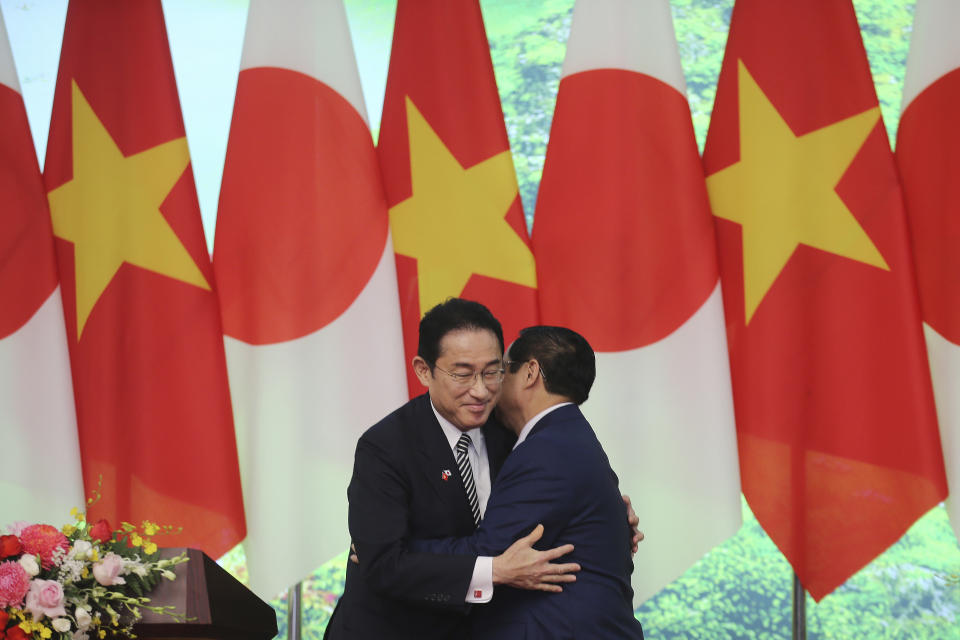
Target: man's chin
(471, 419)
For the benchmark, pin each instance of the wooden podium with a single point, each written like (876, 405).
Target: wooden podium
(219, 606)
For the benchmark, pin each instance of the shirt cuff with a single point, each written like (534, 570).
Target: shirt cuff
(481, 585)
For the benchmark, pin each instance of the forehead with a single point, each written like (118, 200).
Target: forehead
(469, 347)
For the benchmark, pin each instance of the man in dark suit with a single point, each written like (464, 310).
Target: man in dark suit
(558, 475)
(410, 480)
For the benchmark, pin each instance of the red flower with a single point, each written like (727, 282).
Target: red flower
(9, 546)
(42, 540)
(16, 633)
(13, 633)
(101, 531)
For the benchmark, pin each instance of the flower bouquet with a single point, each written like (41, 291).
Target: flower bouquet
(79, 582)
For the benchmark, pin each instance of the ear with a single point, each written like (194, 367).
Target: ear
(531, 373)
(422, 370)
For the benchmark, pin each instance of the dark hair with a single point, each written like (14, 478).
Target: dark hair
(566, 360)
(451, 315)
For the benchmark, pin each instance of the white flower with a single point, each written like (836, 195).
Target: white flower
(135, 566)
(81, 549)
(169, 575)
(71, 570)
(60, 624)
(29, 564)
(80, 635)
(83, 619)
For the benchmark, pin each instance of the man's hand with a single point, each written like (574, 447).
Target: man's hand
(355, 559)
(634, 521)
(524, 567)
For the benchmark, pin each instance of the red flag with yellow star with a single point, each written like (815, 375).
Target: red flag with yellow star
(143, 327)
(455, 212)
(837, 432)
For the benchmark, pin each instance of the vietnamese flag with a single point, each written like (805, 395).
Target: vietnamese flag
(455, 212)
(927, 142)
(626, 256)
(143, 325)
(839, 450)
(307, 283)
(37, 416)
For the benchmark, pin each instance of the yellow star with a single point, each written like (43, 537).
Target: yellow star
(454, 223)
(782, 192)
(110, 210)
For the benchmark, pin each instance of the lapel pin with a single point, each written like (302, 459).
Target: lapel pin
(445, 475)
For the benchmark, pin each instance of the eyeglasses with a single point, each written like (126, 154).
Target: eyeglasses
(510, 363)
(491, 377)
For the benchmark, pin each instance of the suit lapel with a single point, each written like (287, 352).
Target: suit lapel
(436, 460)
(499, 443)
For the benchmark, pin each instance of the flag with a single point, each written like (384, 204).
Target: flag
(455, 212)
(927, 140)
(143, 324)
(625, 250)
(837, 433)
(37, 417)
(307, 284)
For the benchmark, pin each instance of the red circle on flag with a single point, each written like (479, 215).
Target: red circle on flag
(927, 143)
(27, 264)
(302, 220)
(623, 234)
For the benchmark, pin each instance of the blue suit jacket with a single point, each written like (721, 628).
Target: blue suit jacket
(558, 476)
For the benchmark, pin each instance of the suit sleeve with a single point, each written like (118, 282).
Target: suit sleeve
(533, 487)
(379, 497)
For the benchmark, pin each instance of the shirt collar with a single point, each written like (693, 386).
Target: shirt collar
(534, 420)
(453, 433)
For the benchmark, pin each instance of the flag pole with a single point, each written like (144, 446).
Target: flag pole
(294, 611)
(799, 609)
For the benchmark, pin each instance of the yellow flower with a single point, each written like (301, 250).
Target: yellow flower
(136, 540)
(150, 528)
(84, 573)
(69, 529)
(95, 555)
(150, 547)
(102, 634)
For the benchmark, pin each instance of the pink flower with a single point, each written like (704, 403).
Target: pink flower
(45, 597)
(42, 540)
(14, 583)
(107, 571)
(15, 528)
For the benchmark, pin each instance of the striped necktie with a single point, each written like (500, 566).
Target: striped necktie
(463, 463)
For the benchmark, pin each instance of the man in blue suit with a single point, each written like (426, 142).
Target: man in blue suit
(557, 475)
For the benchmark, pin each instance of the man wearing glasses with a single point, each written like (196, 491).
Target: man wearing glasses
(425, 471)
(559, 476)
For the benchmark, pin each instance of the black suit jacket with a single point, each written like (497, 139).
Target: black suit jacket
(399, 492)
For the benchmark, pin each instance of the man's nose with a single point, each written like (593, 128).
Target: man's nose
(478, 388)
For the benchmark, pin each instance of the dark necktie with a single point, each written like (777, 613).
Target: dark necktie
(466, 472)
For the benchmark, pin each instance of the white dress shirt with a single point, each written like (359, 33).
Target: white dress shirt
(481, 585)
